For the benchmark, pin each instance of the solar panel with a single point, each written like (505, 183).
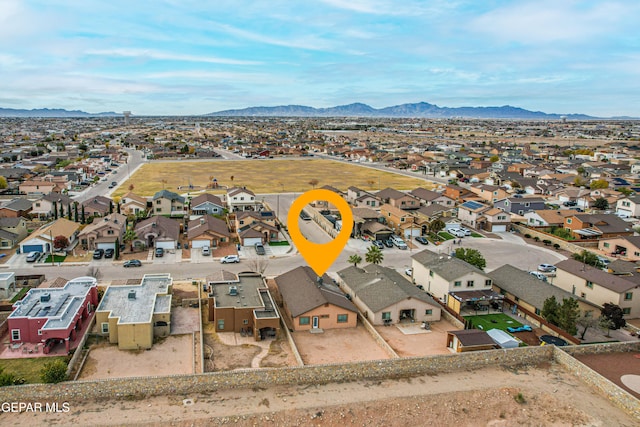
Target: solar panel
(472, 205)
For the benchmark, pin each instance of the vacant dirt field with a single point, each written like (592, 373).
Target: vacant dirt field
(338, 345)
(541, 396)
(262, 176)
(613, 366)
(106, 361)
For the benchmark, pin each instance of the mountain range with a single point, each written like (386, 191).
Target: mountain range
(419, 110)
(55, 112)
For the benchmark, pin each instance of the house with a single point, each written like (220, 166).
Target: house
(625, 246)
(48, 206)
(132, 204)
(368, 222)
(361, 198)
(456, 192)
(207, 204)
(12, 231)
(548, 217)
(208, 231)
(453, 281)
(495, 220)
(396, 218)
(42, 239)
(242, 304)
(520, 205)
(312, 302)
(256, 227)
(398, 199)
(16, 208)
(489, 193)
(47, 314)
(104, 233)
(469, 340)
(97, 206)
(470, 212)
(385, 297)
(34, 188)
(428, 197)
(157, 232)
(241, 199)
(7, 285)
(166, 202)
(599, 287)
(133, 315)
(597, 226)
(629, 206)
(521, 288)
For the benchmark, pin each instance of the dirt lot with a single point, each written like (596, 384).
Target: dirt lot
(416, 341)
(338, 345)
(614, 365)
(548, 396)
(107, 361)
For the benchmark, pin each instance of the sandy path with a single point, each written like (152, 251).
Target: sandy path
(553, 397)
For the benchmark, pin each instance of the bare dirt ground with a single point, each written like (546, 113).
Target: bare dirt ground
(417, 341)
(107, 361)
(540, 396)
(614, 365)
(337, 346)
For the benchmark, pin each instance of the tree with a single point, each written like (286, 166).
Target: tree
(313, 183)
(436, 225)
(472, 256)
(75, 211)
(601, 203)
(355, 259)
(60, 242)
(606, 323)
(83, 219)
(586, 257)
(69, 211)
(598, 184)
(129, 236)
(258, 264)
(626, 191)
(131, 187)
(374, 255)
(54, 372)
(494, 158)
(3, 183)
(568, 314)
(61, 210)
(614, 313)
(586, 321)
(54, 208)
(550, 310)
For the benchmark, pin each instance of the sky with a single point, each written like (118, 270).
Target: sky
(183, 57)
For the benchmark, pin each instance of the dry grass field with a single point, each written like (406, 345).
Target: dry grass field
(262, 176)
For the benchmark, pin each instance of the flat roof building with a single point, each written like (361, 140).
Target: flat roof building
(132, 316)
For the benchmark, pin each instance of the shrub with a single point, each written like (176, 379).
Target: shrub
(547, 242)
(556, 246)
(54, 372)
(527, 235)
(537, 239)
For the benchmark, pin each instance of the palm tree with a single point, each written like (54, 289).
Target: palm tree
(374, 255)
(129, 236)
(355, 259)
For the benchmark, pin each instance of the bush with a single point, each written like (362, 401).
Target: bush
(527, 235)
(547, 242)
(556, 246)
(54, 372)
(537, 239)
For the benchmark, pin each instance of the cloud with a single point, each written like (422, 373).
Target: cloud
(165, 56)
(291, 41)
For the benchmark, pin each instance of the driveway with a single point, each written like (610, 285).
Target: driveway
(171, 256)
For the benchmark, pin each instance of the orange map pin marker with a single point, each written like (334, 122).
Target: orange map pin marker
(320, 256)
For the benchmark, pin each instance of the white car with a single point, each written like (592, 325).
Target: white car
(230, 259)
(538, 275)
(409, 272)
(547, 268)
(458, 232)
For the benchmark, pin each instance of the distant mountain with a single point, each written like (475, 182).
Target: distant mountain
(420, 110)
(56, 112)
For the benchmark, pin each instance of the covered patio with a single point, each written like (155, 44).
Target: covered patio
(476, 302)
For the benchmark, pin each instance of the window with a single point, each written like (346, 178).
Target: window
(110, 231)
(457, 283)
(304, 320)
(15, 334)
(245, 322)
(469, 283)
(589, 284)
(628, 296)
(568, 220)
(39, 331)
(428, 312)
(105, 327)
(158, 202)
(402, 219)
(538, 311)
(606, 245)
(221, 324)
(626, 310)
(158, 209)
(343, 318)
(487, 282)
(386, 315)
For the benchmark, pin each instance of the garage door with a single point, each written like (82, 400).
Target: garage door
(250, 241)
(106, 246)
(200, 243)
(165, 244)
(32, 248)
(497, 228)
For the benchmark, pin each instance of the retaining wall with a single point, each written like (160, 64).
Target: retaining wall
(128, 388)
(567, 246)
(78, 352)
(376, 336)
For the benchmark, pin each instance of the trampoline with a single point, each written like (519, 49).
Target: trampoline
(550, 339)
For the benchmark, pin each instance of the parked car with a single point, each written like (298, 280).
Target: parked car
(305, 216)
(603, 262)
(570, 203)
(33, 256)
(457, 232)
(378, 244)
(408, 271)
(538, 275)
(206, 251)
(98, 253)
(547, 268)
(132, 263)
(388, 243)
(398, 242)
(422, 240)
(260, 249)
(159, 252)
(109, 253)
(230, 259)
(466, 231)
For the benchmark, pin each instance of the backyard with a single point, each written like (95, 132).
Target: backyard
(493, 321)
(29, 369)
(262, 176)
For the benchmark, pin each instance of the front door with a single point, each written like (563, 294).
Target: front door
(315, 322)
